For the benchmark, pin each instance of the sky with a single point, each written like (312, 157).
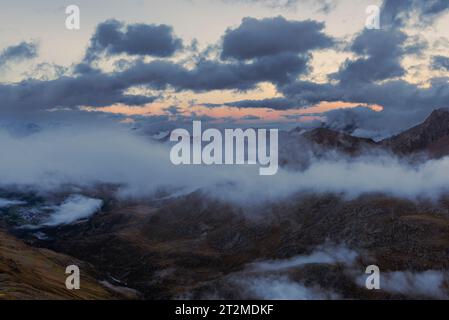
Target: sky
(283, 63)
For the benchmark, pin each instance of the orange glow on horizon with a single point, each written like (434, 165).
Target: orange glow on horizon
(259, 114)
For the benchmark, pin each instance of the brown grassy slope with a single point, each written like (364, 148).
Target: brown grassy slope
(31, 273)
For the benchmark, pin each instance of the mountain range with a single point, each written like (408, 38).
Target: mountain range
(312, 245)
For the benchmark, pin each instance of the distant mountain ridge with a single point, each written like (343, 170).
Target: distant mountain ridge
(338, 140)
(430, 137)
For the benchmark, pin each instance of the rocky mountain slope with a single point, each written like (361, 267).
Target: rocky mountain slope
(430, 138)
(334, 140)
(38, 273)
(194, 247)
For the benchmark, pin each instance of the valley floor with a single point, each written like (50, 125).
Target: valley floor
(191, 247)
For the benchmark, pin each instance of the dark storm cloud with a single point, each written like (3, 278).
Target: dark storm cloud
(381, 53)
(113, 37)
(271, 50)
(404, 104)
(270, 36)
(273, 103)
(97, 89)
(84, 68)
(403, 96)
(395, 13)
(298, 94)
(440, 63)
(250, 117)
(280, 58)
(17, 53)
(307, 93)
(213, 75)
(392, 95)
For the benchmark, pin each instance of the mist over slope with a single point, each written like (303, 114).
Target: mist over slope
(84, 157)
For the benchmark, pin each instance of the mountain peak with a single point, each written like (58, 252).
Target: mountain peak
(341, 141)
(432, 136)
(438, 115)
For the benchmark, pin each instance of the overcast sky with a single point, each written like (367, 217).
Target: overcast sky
(240, 61)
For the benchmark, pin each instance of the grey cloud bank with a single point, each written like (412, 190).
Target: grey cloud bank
(17, 53)
(270, 36)
(274, 50)
(113, 37)
(54, 158)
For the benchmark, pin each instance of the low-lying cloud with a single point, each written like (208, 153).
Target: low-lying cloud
(282, 288)
(74, 208)
(324, 254)
(6, 203)
(271, 279)
(84, 157)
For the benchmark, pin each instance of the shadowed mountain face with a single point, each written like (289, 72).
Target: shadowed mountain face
(430, 138)
(311, 246)
(342, 142)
